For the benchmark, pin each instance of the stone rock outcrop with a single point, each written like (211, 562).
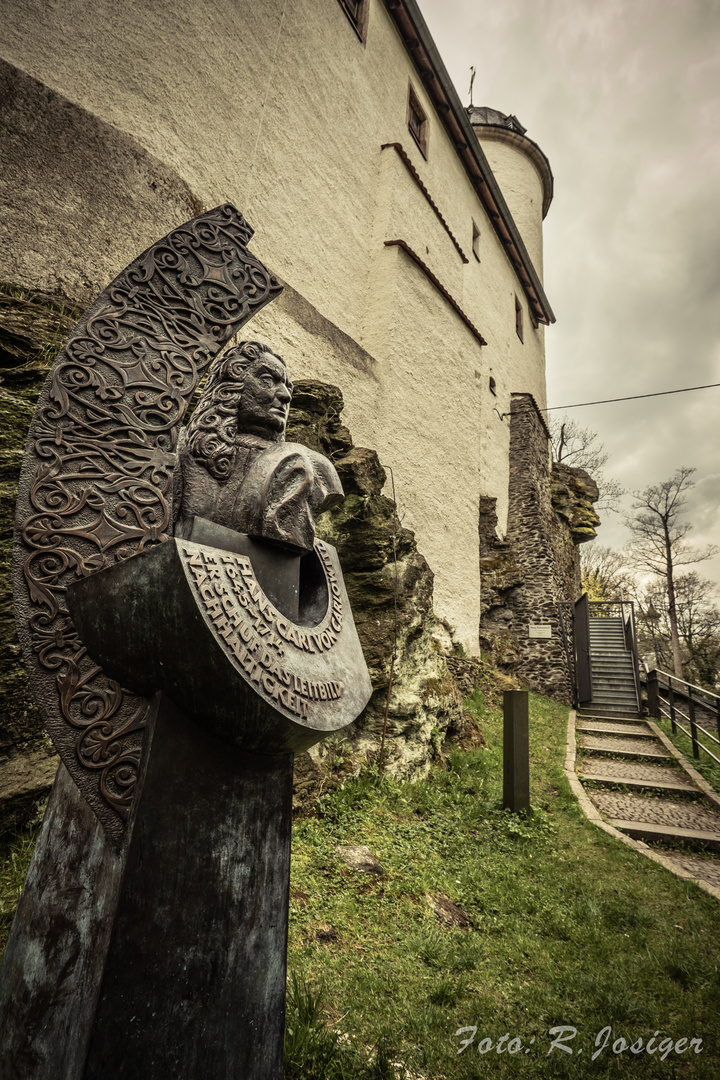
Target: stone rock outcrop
(573, 492)
(447, 912)
(359, 857)
(389, 584)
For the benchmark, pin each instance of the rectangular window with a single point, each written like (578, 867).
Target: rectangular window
(356, 11)
(519, 319)
(476, 242)
(417, 122)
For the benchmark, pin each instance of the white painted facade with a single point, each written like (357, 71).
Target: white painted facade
(278, 107)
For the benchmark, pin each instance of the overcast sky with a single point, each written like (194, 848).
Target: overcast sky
(623, 96)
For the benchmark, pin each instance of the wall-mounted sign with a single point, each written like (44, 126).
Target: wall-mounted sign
(539, 630)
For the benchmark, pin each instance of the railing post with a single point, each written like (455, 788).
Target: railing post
(516, 752)
(718, 716)
(693, 726)
(653, 694)
(635, 657)
(671, 699)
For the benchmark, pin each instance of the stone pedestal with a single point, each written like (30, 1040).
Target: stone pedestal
(166, 958)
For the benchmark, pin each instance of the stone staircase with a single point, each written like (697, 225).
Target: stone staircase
(613, 676)
(641, 785)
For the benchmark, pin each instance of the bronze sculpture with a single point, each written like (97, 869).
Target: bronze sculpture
(177, 674)
(234, 466)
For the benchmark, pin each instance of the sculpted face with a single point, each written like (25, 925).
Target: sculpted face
(265, 398)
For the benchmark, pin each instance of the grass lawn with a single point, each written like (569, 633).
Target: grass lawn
(569, 930)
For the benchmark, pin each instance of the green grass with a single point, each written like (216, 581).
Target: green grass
(15, 850)
(569, 927)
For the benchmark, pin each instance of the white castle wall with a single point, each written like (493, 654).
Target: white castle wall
(280, 109)
(511, 158)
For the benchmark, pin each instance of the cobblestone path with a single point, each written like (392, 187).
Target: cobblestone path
(637, 773)
(642, 786)
(627, 747)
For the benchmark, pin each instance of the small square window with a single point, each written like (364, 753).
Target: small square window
(417, 122)
(476, 242)
(519, 319)
(356, 11)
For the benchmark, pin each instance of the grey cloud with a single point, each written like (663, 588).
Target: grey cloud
(624, 98)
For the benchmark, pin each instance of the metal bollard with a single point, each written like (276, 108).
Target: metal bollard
(516, 752)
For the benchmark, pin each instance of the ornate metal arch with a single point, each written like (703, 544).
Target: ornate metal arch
(95, 486)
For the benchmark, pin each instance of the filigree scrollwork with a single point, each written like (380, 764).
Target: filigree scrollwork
(96, 481)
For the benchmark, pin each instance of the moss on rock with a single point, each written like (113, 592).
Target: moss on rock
(573, 492)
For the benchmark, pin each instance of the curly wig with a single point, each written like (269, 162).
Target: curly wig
(212, 432)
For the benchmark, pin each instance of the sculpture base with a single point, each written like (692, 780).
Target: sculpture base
(190, 982)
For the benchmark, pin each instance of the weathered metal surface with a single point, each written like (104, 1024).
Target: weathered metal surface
(96, 481)
(277, 571)
(236, 663)
(581, 637)
(54, 959)
(195, 978)
(235, 467)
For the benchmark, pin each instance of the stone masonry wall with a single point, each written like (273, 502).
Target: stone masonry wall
(536, 567)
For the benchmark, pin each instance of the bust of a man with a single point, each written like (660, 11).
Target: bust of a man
(234, 466)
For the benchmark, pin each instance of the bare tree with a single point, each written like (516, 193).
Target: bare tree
(698, 620)
(699, 626)
(658, 543)
(578, 447)
(604, 573)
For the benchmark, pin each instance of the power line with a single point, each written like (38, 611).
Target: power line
(633, 397)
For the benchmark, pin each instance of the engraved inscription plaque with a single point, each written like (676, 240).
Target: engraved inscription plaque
(237, 665)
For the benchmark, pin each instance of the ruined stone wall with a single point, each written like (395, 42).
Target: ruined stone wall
(536, 567)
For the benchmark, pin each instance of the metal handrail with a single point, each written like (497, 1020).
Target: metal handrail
(628, 623)
(703, 690)
(629, 627)
(657, 710)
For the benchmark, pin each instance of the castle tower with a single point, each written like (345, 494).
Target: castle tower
(523, 173)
